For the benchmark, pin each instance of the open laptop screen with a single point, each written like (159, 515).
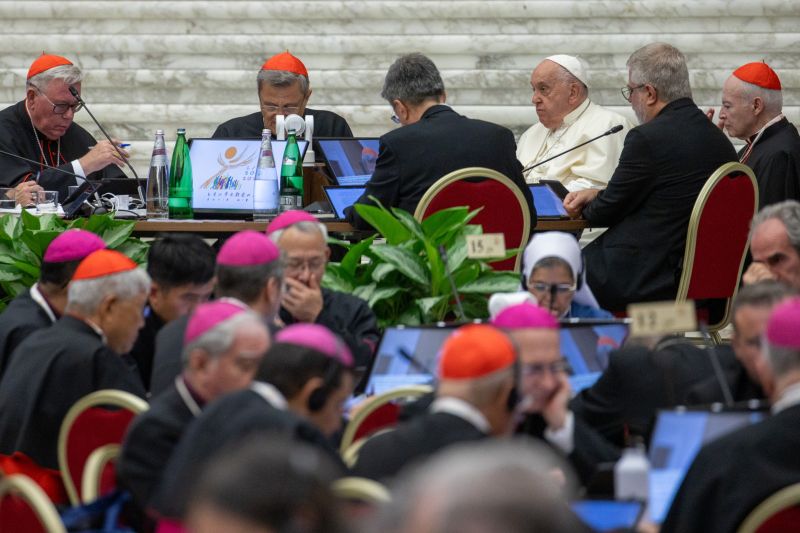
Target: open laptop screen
(351, 161)
(341, 198)
(586, 344)
(223, 171)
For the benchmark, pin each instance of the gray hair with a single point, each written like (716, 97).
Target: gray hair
(664, 67)
(568, 78)
(282, 78)
(479, 392)
(412, 78)
(788, 212)
(765, 293)
(304, 226)
(772, 99)
(782, 360)
(246, 283)
(218, 340)
(84, 296)
(70, 74)
(491, 486)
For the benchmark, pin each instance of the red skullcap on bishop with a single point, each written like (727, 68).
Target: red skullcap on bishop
(285, 62)
(103, 263)
(759, 74)
(475, 351)
(46, 62)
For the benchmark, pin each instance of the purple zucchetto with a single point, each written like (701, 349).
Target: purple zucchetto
(289, 218)
(524, 315)
(782, 327)
(247, 248)
(72, 245)
(209, 315)
(317, 338)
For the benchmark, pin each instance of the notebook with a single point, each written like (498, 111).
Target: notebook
(548, 198)
(350, 161)
(341, 198)
(223, 171)
(677, 438)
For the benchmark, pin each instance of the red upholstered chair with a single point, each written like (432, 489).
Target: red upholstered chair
(95, 420)
(777, 514)
(49, 480)
(504, 208)
(25, 507)
(717, 242)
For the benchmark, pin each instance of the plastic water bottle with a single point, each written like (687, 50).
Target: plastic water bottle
(266, 193)
(631, 474)
(158, 180)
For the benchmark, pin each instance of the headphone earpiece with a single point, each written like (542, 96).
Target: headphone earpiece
(318, 399)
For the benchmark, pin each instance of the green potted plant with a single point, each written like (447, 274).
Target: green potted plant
(24, 238)
(404, 279)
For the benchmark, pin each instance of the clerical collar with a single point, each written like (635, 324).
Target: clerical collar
(38, 297)
(789, 398)
(756, 136)
(574, 115)
(189, 396)
(94, 327)
(463, 410)
(270, 394)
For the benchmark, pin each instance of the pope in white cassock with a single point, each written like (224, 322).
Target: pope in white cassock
(567, 118)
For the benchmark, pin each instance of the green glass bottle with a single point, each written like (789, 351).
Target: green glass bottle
(291, 175)
(180, 179)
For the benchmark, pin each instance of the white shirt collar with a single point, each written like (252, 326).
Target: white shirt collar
(461, 409)
(186, 396)
(37, 297)
(575, 114)
(270, 394)
(789, 398)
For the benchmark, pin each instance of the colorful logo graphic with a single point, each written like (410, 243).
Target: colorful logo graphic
(222, 180)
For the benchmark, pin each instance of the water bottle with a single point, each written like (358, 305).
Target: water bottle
(631, 474)
(266, 193)
(158, 180)
(291, 194)
(180, 179)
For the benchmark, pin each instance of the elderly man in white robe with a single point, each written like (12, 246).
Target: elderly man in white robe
(567, 117)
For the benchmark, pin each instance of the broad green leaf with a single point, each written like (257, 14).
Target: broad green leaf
(10, 227)
(405, 262)
(7, 274)
(409, 317)
(51, 222)
(466, 273)
(491, 282)
(115, 234)
(365, 291)
(382, 270)
(408, 221)
(353, 256)
(98, 223)
(337, 279)
(444, 221)
(27, 269)
(382, 294)
(476, 307)
(426, 306)
(457, 253)
(435, 267)
(28, 220)
(135, 249)
(387, 225)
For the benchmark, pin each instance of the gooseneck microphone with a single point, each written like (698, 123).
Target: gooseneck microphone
(616, 129)
(443, 255)
(74, 92)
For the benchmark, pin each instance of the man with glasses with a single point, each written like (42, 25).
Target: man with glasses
(41, 128)
(283, 89)
(775, 244)
(303, 243)
(567, 117)
(664, 164)
(434, 141)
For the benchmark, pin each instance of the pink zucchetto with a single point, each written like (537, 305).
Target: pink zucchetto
(247, 248)
(289, 218)
(317, 338)
(208, 316)
(782, 327)
(72, 245)
(524, 315)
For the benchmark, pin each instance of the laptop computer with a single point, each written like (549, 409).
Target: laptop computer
(608, 515)
(677, 438)
(548, 198)
(341, 197)
(586, 344)
(350, 161)
(223, 171)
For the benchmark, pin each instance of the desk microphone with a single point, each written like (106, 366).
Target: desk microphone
(616, 129)
(715, 364)
(77, 96)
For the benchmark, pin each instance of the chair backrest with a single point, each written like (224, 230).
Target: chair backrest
(361, 489)
(378, 412)
(718, 236)
(25, 507)
(778, 513)
(504, 207)
(99, 476)
(95, 420)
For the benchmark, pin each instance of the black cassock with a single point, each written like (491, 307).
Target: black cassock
(48, 373)
(775, 161)
(22, 317)
(145, 345)
(226, 422)
(326, 124)
(17, 136)
(732, 475)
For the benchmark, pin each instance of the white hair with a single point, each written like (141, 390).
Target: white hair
(218, 340)
(772, 99)
(70, 74)
(85, 295)
(304, 226)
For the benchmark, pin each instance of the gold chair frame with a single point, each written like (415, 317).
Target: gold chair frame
(93, 471)
(691, 239)
(116, 398)
(479, 172)
(361, 489)
(23, 487)
(784, 498)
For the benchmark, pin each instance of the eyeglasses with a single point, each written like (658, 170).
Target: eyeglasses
(539, 369)
(558, 288)
(60, 109)
(395, 119)
(628, 91)
(298, 265)
(288, 109)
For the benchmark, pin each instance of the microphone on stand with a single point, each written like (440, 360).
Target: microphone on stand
(77, 96)
(616, 129)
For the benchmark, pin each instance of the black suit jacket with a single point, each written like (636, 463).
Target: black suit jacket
(646, 206)
(22, 317)
(732, 475)
(413, 157)
(638, 382)
(384, 456)
(167, 359)
(775, 161)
